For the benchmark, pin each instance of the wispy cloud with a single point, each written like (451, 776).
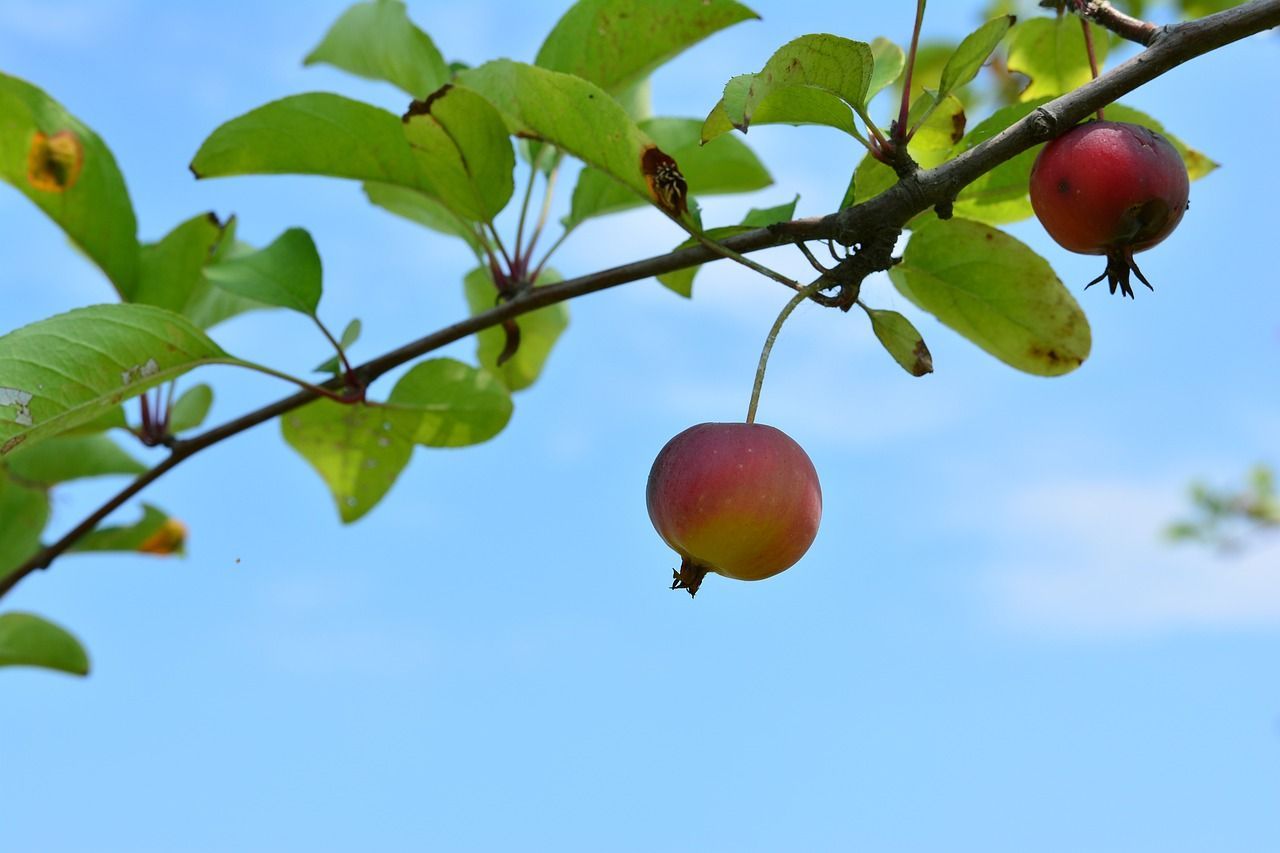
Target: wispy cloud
(1087, 558)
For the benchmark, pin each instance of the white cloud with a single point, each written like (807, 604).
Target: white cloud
(1087, 558)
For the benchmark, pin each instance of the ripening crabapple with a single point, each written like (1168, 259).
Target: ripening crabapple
(738, 499)
(1110, 188)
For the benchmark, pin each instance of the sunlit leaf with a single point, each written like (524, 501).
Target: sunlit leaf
(172, 273)
(29, 640)
(614, 43)
(794, 105)
(376, 40)
(902, 341)
(1051, 51)
(421, 208)
(833, 64)
(68, 370)
(996, 292)
(156, 533)
(889, 61)
(358, 450)
(24, 511)
(467, 152)
(63, 458)
(190, 409)
(457, 404)
(725, 165)
(972, 53)
(286, 273)
(929, 147)
(314, 134)
(568, 112)
(539, 331)
(67, 171)
(1002, 194)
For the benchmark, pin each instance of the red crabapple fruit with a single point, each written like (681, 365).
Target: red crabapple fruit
(738, 499)
(1110, 188)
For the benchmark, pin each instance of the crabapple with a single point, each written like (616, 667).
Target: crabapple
(738, 499)
(1110, 188)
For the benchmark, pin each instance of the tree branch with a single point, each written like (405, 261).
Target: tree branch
(1109, 17)
(1169, 47)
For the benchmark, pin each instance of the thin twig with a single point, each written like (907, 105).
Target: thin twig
(1109, 17)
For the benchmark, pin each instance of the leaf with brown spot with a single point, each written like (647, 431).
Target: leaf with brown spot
(900, 338)
(666, 184)
(996, 292)
(54, 162)
(67, 171)
(567, 111)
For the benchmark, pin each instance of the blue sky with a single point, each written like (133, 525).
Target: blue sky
(988, 647)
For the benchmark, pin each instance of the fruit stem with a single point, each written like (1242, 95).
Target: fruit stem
(1093, 57)
(804, 294)
(688, 577)
(904, 110)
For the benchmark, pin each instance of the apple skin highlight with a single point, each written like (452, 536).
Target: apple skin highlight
(742, 500)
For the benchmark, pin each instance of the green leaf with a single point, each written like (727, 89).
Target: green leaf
(66, 371)
(850, 196)
(1001, 195)
(1198, 165)
(67, 171)
(350, 335)
(902, 341)
(286, 274)
(28, 640)
(423, 209)
(172, 272)
(930, 146)
(358, 450)
(681, 281)
(539, 331)
(24, 511)
(112, 418)
(1051, 51)
(888, 64)
(466, 148)
(972, 53)
(833, 64)
(457, 404)
(725, 165)
(794, 105)
(637, 99)
(614, 43)
(155, 533)
(996, 292)
(931, 58)
(314, 134)
(71, 457)
(377, 41)
(567, 112)
(190, 410)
